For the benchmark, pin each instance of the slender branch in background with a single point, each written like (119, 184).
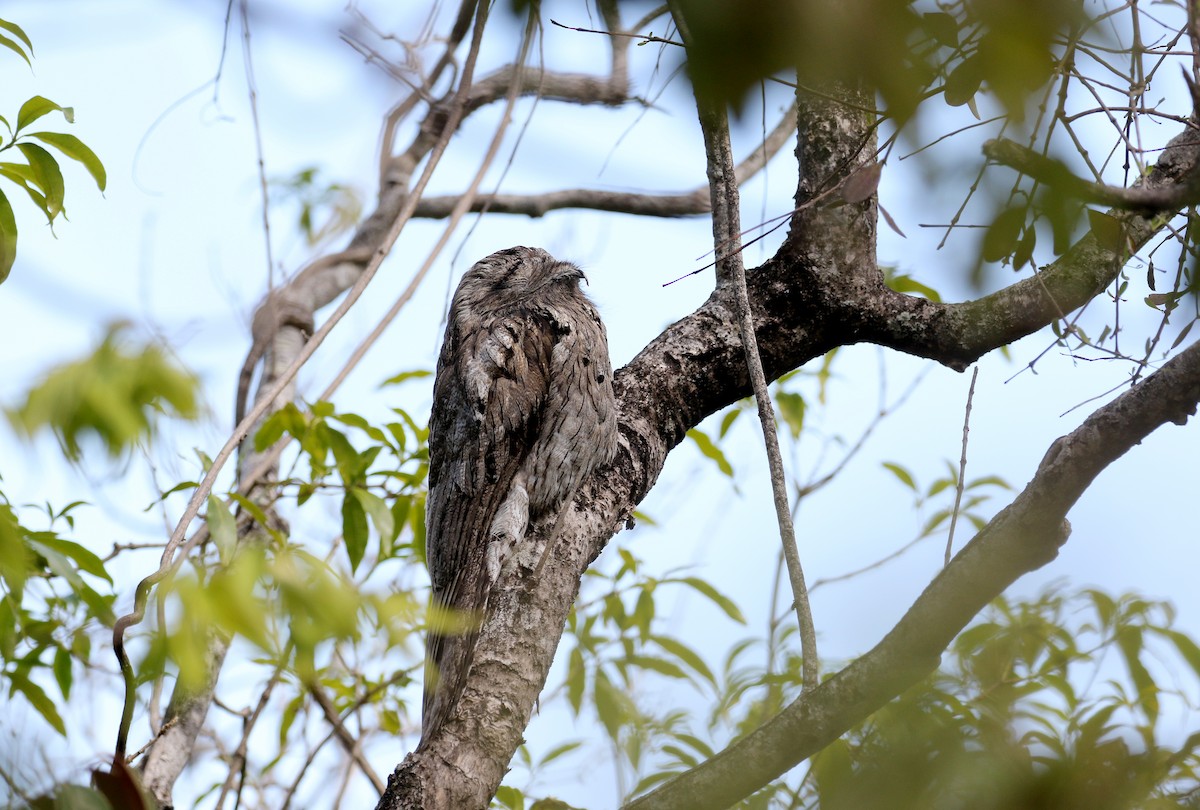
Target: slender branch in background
(252, 89)
(962, 465)
(465, 202)
(1138, 199)
(348, 740)
(454, 116)
(723, 185)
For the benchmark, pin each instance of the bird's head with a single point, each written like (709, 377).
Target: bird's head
(518, 274)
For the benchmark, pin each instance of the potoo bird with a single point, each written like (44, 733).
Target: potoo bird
(523, 411)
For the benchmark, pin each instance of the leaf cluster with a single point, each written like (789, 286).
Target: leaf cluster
(38, 173)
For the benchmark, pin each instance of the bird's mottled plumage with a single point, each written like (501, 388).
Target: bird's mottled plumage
(523, 411)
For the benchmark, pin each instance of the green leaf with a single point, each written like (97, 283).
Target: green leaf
(904, 475)
(8, 237)
(687, 655)
(1108, 230)
(354, 529)
(404, 376)
(38, 699)
(1186, 647)
(47, 176)
(222, 527)
(84, 559)
(610, 706)
(1129, 640)
(1001, 237)
(5, 42)
(75, 149)
(510, 797)
(576, 680)
(658, 665)
(16, 29)
(724, 602)
(727, 421)
(963, 82)
(36, 107)
(374, 506)
(791, 408)
(78, 797)
(559, 751)
(937, 519)
(907, 284)
(710, 450)
(62, 671)
(942, 27)
(254, 510)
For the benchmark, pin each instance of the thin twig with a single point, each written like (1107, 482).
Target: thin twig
(962, 465)
(723, 185)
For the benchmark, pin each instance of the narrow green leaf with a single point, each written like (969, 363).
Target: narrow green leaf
(659, 665)
(989, 480)
(35, 108)
(609, 706)
(710, 450)
(1186, 647)
(1000, 239)
(901, 473)
(75, 149)
(907, 284)
(5, 42)
(49, 177)
(8, 237)
(1129, 640)
(791, 408)
(62, 671)
(404, 376)
(576, 680)
(20, 33)
(375, 506)
(936, 520)
(38, 699)
(222, 527)
(727, 421)
(559, 751)
(724, 602)
(354, 529)
(687, 655)
(85, 559)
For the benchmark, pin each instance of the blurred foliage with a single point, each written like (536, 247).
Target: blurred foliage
(112, 396)
(325, 210)
(47, 606)
(38, 172)
(906, 52)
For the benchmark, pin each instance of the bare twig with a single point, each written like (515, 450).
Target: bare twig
(731, 270)
(349, 743)
(962, 465)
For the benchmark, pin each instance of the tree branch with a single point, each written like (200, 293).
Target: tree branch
(1140, 199)
(958, 334)
(1021, 538)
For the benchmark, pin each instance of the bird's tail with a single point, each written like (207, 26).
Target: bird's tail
(449, 651)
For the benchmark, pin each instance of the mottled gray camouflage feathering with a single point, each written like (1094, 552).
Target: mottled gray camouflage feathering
(523, 411)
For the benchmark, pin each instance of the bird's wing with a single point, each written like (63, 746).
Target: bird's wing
(492, 383)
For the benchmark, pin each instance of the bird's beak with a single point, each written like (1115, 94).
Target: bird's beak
(567, 271)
